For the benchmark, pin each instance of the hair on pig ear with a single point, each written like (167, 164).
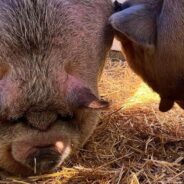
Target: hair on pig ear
(89, 100)
(80, 95)
(85, 98)
(136, 22)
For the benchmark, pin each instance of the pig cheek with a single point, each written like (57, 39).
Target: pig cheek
(21, 151)
(87, 122)
(9, 94)
(9, 164)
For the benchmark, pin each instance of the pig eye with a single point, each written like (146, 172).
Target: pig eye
(22, 119)
(66, 117)
(18, 120)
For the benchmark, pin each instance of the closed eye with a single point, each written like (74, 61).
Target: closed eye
(21, 119)
(66, 117)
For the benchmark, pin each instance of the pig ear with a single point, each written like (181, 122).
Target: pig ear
(80, 95)
(135, 22)
(85, 98)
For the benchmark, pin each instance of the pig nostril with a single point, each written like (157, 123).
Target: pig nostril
(48, 146)
(43, 160)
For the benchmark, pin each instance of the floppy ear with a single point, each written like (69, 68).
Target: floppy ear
(85, 98)
(136, 22)
(80, 95)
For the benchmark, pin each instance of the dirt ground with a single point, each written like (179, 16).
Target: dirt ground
(134, 142)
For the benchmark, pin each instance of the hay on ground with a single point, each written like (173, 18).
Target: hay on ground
(134, 142)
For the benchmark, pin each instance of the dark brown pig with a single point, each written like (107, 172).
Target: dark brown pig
(152, 37)
(51, 57)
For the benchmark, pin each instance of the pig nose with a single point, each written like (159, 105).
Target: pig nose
(41, 120)
(44, 160)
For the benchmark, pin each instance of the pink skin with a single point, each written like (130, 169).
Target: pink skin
(10, 94)
(81, 95)
(22, 149)
(24, 144)
(6, 86)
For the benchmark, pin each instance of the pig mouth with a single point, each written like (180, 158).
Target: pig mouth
(40, 158)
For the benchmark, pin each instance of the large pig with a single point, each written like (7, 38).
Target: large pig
(51, 57)
(152, 37)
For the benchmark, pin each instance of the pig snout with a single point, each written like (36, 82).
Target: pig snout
(41, 120)
(43, 159)
(40, 158)
(46, 158)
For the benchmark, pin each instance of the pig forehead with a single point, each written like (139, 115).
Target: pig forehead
(26, 29)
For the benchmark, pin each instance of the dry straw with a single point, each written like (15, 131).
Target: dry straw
(134, 142)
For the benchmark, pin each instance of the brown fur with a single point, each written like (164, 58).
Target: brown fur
(153, 41)
(52, 48)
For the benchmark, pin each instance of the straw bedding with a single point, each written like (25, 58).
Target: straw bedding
(134, 142)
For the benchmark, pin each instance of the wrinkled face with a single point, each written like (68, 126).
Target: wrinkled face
(152, 37)
(51, 57)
